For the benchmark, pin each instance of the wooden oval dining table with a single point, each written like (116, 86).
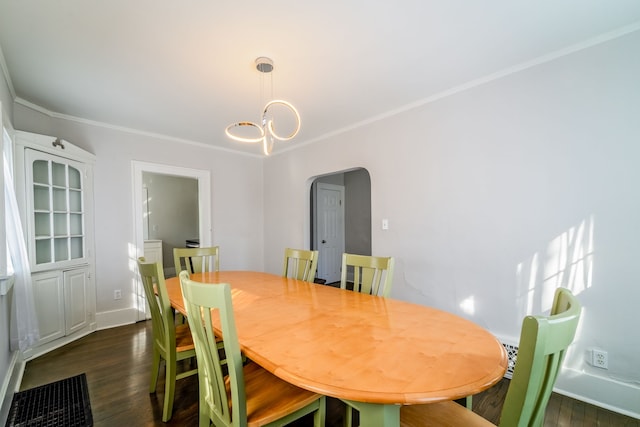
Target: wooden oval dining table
(374, 353)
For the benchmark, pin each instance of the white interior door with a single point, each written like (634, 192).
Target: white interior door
(330, 230)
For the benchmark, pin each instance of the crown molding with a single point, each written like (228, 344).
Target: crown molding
(5, 73)
(603, 38)
(104, 125)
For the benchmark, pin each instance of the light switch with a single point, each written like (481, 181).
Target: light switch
(385, 224)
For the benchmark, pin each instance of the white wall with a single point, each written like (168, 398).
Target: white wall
(8, 358)
(498, 194)
(237, 201)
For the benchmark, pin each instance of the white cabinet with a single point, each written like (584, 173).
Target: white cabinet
(54, 183)
(61, 301)
(153, 251)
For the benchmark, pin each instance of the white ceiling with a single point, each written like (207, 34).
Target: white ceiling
(185, 69)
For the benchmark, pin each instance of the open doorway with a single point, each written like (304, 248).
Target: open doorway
(143, 229)
(170, 216)
(340, 219)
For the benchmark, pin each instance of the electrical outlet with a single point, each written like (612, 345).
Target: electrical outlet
(599, 358)
(117, 294)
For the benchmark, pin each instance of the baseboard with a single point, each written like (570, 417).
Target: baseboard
(10, 384)
(617, 396)
(115, 318)
(45, 348)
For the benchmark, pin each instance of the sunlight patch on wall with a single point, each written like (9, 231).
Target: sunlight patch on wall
(570, 258)
(570, 261)
(139, 301)
(567, 261)
(533, 278)
(468, 306)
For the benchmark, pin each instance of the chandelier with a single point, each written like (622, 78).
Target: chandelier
(266, 129)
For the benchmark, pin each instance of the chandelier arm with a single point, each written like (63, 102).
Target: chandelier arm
(228, 132)
(270, 125)
(267, 145)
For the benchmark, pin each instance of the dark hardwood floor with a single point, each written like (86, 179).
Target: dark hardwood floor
(117, 363)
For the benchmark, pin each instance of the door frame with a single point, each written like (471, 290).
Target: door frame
(204, 214)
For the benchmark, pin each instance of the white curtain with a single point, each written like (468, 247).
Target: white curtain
(24, 328)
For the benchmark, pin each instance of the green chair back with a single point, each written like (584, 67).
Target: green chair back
(196, 260)
(543, 344)
(164, 334)
(371, 275)
(170, 342)
(300, 264)
(200, 300)
(223, 398)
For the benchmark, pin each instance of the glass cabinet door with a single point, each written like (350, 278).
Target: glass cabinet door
(58, 218)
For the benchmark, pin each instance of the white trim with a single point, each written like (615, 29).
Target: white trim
(204, 197)
(116, 318)
(613, 395)
(45, 348)
(7, 76)
(88, 122)
(472, 84)
(10, 385)
(204, 210)
(594, 41)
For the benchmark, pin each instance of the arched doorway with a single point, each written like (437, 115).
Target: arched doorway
(340, 219)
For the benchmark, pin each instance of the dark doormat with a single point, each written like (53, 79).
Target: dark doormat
(61, 403)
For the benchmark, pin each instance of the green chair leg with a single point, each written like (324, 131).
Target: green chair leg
(155, 371)
(169, 390)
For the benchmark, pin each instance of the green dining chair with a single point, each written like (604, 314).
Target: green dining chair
(171, 342)
(300, 264)
(196, 260)
(249, 395)
(372, 275)
(543, 343)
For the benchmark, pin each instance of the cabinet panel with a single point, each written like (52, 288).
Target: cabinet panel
(76, 285)
(61, 299)
(49, 303)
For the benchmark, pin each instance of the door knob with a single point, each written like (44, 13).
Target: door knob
(324, 241)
